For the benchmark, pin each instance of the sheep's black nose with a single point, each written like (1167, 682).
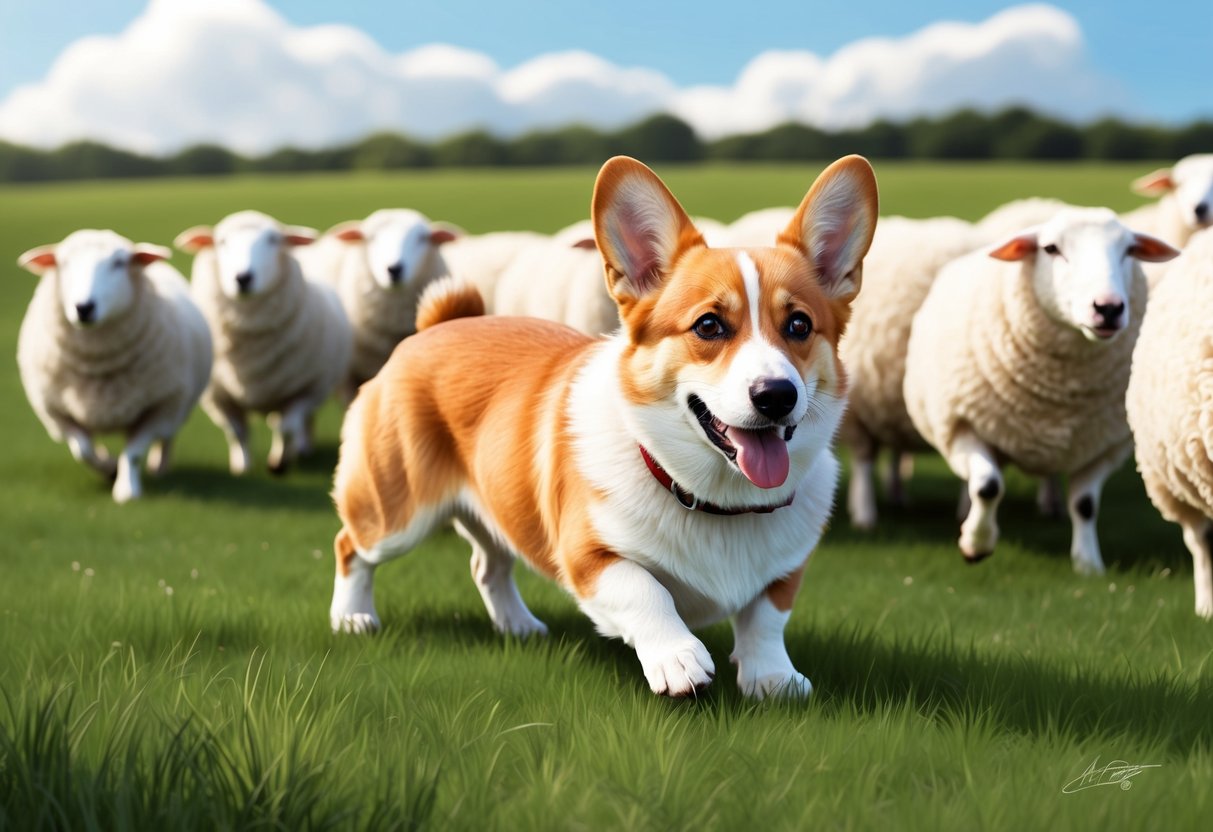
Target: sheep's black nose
(395, 272)
(773, 397)
(244, 281)
(1109, 313)
(85, 312)
(1202, 211)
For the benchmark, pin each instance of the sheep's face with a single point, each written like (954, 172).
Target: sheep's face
(1194, 190)
(398, 245)
(1084, 265)
(1188, 186)
(95, 273)
(251, 258)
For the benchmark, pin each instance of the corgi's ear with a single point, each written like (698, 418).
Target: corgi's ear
(639, 227)
(834, 225)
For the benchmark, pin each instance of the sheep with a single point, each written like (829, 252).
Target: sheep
(558, 280)
(1169, 401)
(379, 267)
(1027, 361)
(1016, 215)
(482, 258)
(1186, 200)
(898, 272)
(758, 228)
(282, 342)
(111, 342)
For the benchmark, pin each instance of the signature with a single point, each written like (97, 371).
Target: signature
(1117, 772)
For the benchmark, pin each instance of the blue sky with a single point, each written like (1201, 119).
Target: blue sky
(1146, 60)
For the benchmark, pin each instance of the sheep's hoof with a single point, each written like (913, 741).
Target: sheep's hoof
(280, 467)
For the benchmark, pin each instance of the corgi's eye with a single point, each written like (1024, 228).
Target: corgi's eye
(798, 327)
(709, 327)
(1052, 248)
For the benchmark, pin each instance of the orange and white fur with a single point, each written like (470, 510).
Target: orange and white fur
(528, 435)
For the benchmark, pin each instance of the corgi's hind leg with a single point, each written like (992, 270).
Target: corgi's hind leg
(353, 607)
(493, 572)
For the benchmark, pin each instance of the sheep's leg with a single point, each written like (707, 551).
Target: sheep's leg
(289, 428)
(127, 486)
(901, 468)
(974, 461)
(158, 456)
(861, 490)
(492, 570)
(84, 451)
(1083, 503)
(233, 421)
(1049, 501)
(1198, 535)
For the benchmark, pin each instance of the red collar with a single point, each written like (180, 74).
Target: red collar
(692, 503)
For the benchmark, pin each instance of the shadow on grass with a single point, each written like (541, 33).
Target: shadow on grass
(255, 490)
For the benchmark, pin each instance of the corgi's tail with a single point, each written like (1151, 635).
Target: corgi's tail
(446, 299)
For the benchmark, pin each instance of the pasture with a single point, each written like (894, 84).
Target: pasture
(168, 664)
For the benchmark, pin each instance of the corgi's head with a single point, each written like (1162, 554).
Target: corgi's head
(729, 362)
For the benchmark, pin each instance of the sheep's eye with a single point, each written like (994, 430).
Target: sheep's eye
(709, 327)
(799, 327)
(1052, 248)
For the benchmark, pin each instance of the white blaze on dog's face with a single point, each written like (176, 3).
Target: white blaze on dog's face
(730, 366)
(398, 241)
(1083, 268)
(1190, 183)
(95, 271)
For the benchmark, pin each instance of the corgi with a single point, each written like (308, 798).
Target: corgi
(672, 475)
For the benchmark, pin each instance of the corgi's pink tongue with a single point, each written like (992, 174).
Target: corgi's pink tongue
(762, 455)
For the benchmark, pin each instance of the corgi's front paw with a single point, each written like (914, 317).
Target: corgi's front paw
(789, 684)
(358, 623)
(677, 669)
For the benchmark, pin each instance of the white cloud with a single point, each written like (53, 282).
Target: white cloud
(235, 72)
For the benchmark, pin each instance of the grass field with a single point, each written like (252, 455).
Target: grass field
(168, 664)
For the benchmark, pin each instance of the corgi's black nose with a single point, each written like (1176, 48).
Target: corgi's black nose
(773, 397)
(85, 312)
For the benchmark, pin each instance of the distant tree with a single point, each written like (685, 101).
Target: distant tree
(1195, 138)
(204, 160)
(1111, 138)
(1040, 138)
(24, 164)
(660, 138)
(92, 160)
(477, 148)
(384, 151)
(573, 145)
(879, 140)
(965, 134)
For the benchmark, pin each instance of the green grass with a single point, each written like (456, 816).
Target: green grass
(947, 697)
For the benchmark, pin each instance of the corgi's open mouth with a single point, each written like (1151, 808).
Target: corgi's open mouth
(761, 455)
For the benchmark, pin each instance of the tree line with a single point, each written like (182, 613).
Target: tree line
(1014, 133)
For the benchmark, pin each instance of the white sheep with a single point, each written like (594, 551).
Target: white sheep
(282, 342)
(1185, 205)
(758, 228)
(558, 280)
(112, 343)
(379, 267)
(1170, 402)
(482, 258)
(1016, 215)
(898, 272)
(1027, 361)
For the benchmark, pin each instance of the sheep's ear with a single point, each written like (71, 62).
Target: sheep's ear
(587, 243)
(1151, 249)
(1154, 184)
(193, 240)
(37, 260)
(299, 235)
(440, 236)
(349, 231)
(834, 224)
(145, 253)
(639, 227)
(1019, 247)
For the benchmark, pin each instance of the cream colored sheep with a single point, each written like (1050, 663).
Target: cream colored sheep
(282, 342)
(1170, 400)
(1027, 362)
(1185, 203)
(898, 272)
(1017, 215)
(558, 281)
(482, 258)
(379, 267)
(112, 343)
(758, 228)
